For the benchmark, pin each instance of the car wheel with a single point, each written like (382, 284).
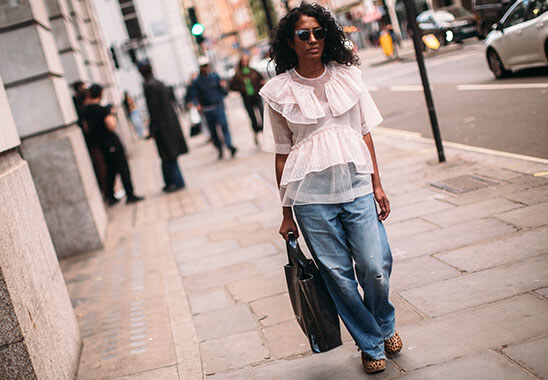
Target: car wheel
(495, 64)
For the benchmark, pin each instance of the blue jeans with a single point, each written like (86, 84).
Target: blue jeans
(172, 173)
(340, 236)
(214, 117)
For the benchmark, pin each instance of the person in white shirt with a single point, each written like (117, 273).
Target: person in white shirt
(317, 120)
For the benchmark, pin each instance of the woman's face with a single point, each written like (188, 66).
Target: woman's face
(312, 48)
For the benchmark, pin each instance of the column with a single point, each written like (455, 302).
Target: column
(44, 116)
(39, 336)
(66, 40)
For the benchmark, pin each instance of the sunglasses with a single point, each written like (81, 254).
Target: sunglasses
(304, 34)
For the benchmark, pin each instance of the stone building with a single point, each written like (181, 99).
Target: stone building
(50, 203)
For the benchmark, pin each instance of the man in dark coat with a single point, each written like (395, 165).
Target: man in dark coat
(164, 127)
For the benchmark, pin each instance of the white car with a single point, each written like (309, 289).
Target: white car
(519, 39)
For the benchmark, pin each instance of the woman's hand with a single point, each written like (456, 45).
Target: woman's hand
(288, 225)
(382, 200)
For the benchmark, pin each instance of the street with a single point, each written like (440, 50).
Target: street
(473, 108)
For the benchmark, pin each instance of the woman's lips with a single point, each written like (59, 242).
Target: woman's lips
(313, 50)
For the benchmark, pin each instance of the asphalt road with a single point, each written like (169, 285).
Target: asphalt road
(473, 108)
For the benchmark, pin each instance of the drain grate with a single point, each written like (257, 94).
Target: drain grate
(463, 184)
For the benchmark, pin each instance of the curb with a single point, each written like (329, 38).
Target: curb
(417, 137)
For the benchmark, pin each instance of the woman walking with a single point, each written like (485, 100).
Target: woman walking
(248, 82)
(318, 117)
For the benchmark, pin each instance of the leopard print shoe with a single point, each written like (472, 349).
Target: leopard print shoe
(393, 345)
(371, 365)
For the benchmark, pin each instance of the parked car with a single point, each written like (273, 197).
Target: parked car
(520, 39)
(448, 24)
(489, 12)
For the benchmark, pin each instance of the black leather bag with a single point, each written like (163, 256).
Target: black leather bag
(312, 304)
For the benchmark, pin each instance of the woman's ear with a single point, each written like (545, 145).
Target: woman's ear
(291, 44)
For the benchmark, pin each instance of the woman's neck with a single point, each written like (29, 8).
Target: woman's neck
(310, 69)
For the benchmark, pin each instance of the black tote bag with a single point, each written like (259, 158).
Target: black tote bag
(312, 304)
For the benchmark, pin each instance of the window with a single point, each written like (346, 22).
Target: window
(536, 8)
(517, 16)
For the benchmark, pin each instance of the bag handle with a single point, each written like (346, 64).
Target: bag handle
(294, 251)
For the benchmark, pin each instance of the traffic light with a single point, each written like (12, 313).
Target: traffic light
(196, 28)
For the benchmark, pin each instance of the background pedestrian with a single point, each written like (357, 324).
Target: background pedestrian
(101, 124)
(208, 93)
(134, 115)
(248, 82)
(164, 127)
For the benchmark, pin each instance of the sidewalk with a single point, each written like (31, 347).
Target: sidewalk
(190, 285)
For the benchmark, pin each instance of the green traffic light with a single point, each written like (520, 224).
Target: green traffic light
(197, 29)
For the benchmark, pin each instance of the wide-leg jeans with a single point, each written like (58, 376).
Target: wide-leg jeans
(350, 246)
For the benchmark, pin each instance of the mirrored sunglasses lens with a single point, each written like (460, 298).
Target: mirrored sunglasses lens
(303, 35)
(319, 34)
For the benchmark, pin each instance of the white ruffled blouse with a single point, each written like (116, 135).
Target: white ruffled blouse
(319, 122)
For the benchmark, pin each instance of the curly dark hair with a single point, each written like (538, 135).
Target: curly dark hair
(285, 57)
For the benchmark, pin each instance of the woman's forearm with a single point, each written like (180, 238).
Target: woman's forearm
(280, 164)
(376, 178)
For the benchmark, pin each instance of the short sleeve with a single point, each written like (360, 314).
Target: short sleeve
(277, 137)
(370, 116)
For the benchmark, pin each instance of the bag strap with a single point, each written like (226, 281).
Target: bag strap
(294, 252)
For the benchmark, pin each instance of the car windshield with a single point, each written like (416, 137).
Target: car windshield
(443, 16)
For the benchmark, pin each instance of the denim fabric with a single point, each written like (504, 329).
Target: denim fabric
(172, 174)
(341, 236)
(214, 117)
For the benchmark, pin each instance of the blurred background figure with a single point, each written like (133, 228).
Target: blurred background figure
(101, 125)
(248, 82)
(164, 127)
(208, 93)
(193, 113)
(134, 115)
(80, 99)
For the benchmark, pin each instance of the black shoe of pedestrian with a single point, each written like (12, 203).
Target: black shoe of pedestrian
(172, 188)
(112, 201)
(233, 151)
(134, 199)
(220, 156)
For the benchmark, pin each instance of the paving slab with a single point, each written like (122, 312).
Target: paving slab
(531, 216)
(226, 258)
(521, 245)
(491, 326)
(448, 238)
(273, 310)
(532, 355)
(224, 322)
(286, 339)
(253, 288)
(530, 196)
(406, 313)
(410, 227)
(420, 271)
(233, 352)
(343, 362)
(543, 292)
(487, 365)
(469, 212)
(205, 251)
(481, 287)
(166, 373)
(208, 301)
(219, 277)
(272, 263)
(417, 209)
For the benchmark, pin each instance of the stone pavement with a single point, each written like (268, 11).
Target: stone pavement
(190, 285)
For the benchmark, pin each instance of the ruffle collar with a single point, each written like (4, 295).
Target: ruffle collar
(299, 105)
